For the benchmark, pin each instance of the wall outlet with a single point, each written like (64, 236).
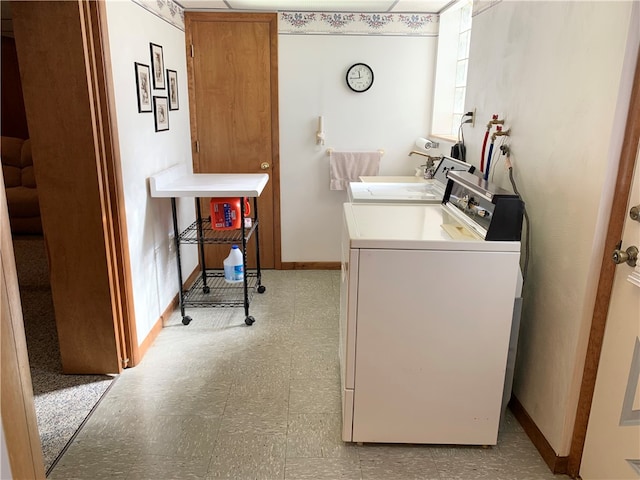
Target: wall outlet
(469, 117)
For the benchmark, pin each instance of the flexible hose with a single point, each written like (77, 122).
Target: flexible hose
(526, 220)
(486, 172)
(484, 146)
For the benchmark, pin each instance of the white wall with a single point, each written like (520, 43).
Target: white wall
(553, 70)
(145, 152)
(390, 116)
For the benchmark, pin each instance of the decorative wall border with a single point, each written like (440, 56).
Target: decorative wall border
(167, 10)
(480, 6)
(351, 23)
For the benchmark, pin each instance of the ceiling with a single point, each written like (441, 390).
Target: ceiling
(372, 6)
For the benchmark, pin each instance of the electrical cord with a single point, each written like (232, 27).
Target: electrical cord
(463, 148)
(461, 133)
(527, 226)
(502, 149)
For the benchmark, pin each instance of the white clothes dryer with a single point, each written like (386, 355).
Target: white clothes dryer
(426, 310)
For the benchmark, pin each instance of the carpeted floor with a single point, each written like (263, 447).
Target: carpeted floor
(62, 402)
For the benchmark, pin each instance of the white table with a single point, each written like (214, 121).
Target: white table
(178, 182)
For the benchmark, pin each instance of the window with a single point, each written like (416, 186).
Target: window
(454, 38)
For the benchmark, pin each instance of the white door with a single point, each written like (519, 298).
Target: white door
(612, 444)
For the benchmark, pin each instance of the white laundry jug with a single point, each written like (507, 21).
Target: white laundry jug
(234, 266)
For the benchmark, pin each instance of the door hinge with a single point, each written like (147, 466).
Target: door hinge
(197, 146)
(192, 50)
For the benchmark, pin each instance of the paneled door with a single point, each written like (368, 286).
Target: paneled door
(232, 63)
(612, 444)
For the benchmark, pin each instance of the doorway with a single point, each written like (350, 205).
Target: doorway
(62, 402)
(233, 80)
(69, 128)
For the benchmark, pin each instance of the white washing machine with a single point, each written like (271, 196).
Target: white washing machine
(427, 191)
(425, 318)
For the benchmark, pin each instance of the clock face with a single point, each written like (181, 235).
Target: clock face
(359, 77)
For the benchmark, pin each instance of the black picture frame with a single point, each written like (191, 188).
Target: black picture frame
(157, 66)
(172, 89)
(143, 87)
(161, 113)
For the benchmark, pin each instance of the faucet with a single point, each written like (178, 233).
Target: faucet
(429, 167)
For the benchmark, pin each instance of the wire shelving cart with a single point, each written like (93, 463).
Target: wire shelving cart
(210, 289)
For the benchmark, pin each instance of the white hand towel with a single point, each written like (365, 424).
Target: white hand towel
(345, 167)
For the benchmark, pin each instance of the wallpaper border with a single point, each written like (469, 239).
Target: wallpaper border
(167, 10)
(352, 23)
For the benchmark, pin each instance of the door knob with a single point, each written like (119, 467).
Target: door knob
(628, 256)
(264, 165)
(634, 213)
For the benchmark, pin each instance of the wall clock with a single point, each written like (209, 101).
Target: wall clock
(359, 77)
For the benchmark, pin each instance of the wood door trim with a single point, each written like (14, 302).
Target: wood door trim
(191, 90)
(114, 196)
(272, 20)
(275, 144)
(18, 410)
(607, 271)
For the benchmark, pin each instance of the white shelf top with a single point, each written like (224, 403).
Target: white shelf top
(179, 182)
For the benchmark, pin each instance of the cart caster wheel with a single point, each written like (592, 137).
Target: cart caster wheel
(206, 289)
(262, 289)
(186, 320)
(249, 320)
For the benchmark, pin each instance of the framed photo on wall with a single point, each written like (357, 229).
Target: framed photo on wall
(157, 66)
(161, 113)
(172, 85)
(143, 85)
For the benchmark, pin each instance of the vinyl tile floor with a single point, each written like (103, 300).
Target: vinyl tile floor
(220, 400)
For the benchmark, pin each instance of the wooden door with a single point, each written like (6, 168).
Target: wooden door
(233, 92)
(74, 161)
(18, 411)
(612, 444)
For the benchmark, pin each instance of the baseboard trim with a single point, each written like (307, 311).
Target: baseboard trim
(162, 321)
(149, 339)
(310, 266)
(556, 463)
(164, 316)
